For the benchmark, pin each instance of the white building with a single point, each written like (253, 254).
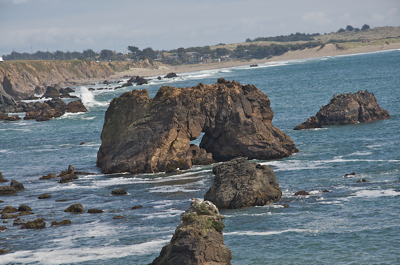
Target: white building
(1, 59)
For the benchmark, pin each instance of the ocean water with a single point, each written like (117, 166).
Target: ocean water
(353, 223)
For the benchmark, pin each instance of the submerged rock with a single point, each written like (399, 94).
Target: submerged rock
(75, 208)
(49, 176)
(68, 178)
(95, 211)
(10, 209)
(240, 183)
(2, 179)
(24, 208)
(35, 224)
(17, 185)
(63, 222)
(197, 239)
(119, 192)
(347, 108)
(302, 193)
(153, 135)
(7, 190)
(44, 196)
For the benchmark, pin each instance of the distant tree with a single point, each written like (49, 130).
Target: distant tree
(356, 29)
(341, 30)
(133, 49)
(106, 55)
(221, 52)
(349, 28)
(89, 53)
(365, 27)
(149, 53)
(248, 40)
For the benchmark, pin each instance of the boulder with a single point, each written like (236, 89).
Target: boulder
(63, 222)
(57, 103)
(24, 208)
(19, 221)
(75, 106)
(95, 211)
(7, 190)
(197, 239)
(49, 176)
(7, 102)
(152, 135)
(13, 118)
(137, 207)
(240, 183)
(52, 92)
(138, 80)
(348, 108)
(35, 224)
(127, 84)
(8, 216)
(10, 209)
(68, 178)
(44, 196)
(75, 208)
(119, 192)
(71, 169)
(301, 193)
(3, 228)
(17, 185)
(2, 179)
(171, 75)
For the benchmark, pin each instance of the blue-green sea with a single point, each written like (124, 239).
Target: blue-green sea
(353, 223)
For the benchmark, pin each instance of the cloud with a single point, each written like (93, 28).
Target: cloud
(316, 17)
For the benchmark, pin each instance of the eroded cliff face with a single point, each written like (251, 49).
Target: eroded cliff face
(152, 135)
(349, 108)
(19, 78)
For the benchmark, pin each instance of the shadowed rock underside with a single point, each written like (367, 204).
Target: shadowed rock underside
(153, 135)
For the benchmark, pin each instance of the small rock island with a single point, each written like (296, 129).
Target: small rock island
(143, 135)
(348, 108)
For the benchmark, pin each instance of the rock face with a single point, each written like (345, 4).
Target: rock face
(2, 179)
(197, 239)
(347, 109)
(240, 183)
(153, 135)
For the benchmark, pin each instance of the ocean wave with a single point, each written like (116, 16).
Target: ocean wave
(376, 193)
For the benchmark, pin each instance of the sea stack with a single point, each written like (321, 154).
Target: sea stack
(349, 108)
(153, 135)
(197, 239)
(239, 183)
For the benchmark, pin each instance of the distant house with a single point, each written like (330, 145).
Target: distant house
(1, 59)
(158, 57)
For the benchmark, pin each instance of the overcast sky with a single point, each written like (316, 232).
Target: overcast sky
(75, 25)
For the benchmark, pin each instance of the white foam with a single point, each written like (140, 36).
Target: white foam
(64, 255)
(268, 233)
(88, 100)
(171, 189)
(376, 193)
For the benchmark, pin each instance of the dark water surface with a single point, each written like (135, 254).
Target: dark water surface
(353, 223)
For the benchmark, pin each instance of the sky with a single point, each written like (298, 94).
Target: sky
(76, 25)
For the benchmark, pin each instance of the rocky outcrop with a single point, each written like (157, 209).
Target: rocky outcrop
(75, 208)
(35, 224)
(17, 185)
(152, 135)
(197, 239)
(171, 75)
(347, 108)
(138, 80)
(240, 183)
(2, 179)
(7, 190)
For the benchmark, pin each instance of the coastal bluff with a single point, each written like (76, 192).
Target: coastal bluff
(349, 108)
(143, 135)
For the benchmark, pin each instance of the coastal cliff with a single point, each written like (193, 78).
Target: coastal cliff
(153, 135)
(20, 78)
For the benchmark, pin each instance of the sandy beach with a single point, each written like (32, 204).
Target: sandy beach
(328, 50)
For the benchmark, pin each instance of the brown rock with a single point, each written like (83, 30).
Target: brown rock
(35, 224)
(197, 239)
(10, 209)
(13, 118)
(17, 185)
(3, 251)
(68, 178)
(24, 208)
(3, 228)
(347, 109)
(171, 75)
(3, 116)
(44, 196)
(75, 106)
(63, 222)
(49, 176)
(95, 211)
(8, 216)
(118, 217)
(7, 190)
(2, 179)
(75, 208)
(240, 183)
(119, 192)
(301, 193)
(137, 207)
(71, 169)
(351, 174)
(19, 221)
(152, 135)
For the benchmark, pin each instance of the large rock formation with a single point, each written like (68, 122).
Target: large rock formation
(197, 239)
(240, 183)
(153, 135)
(347, 109)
